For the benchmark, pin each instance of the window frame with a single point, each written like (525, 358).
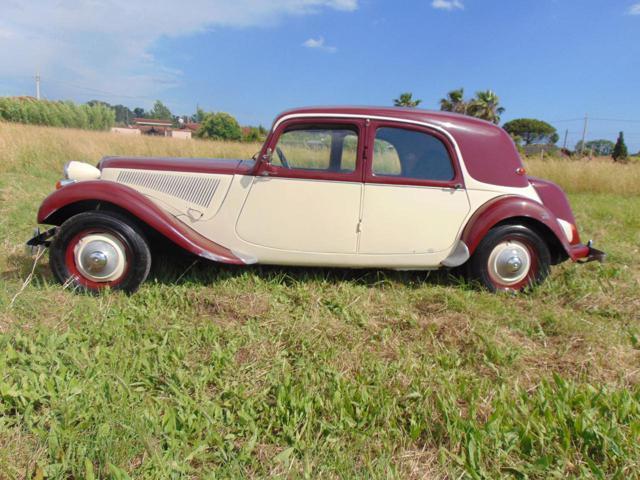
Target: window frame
(456, 182)
(278, 171)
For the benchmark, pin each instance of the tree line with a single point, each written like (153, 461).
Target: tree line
(524, 131)
(99, 115)
(56, 114)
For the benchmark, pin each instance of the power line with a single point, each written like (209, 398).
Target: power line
(615, 120)
(598, 119)
(567, 120)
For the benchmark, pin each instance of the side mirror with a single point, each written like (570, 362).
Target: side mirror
(266, 167)
(266, 158)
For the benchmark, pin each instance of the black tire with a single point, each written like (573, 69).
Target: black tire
(126, 237)
(495, 260)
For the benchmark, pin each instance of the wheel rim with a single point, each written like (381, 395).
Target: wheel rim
(510, 263)
(97, 259)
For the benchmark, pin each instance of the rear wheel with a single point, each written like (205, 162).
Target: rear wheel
(510, 258)
(96, 250)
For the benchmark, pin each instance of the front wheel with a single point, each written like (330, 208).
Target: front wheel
(510, 258)
(96, 250)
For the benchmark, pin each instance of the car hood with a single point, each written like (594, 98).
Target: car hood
(192, 165)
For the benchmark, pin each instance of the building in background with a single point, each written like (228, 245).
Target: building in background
(159, 128)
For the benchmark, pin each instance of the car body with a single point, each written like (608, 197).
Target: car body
(356, 187)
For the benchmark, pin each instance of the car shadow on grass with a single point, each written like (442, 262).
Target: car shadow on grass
(187, 269)
(172, 270)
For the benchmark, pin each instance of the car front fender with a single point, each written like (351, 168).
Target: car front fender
(87, 195)
(511, 207)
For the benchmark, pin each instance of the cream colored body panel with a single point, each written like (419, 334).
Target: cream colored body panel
(403, 219)
(301, 215)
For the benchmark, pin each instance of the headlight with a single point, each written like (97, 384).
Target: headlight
(81, 171)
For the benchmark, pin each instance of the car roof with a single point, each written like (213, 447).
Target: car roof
(416, 114)
(489, 153)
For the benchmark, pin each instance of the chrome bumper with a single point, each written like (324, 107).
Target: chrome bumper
(594, 255)
(40, 240)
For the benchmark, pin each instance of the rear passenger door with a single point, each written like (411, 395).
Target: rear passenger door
(414, 198)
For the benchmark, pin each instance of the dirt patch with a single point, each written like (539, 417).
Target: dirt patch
(573, 357)
(419, 464)
(233, 309)
(256, 351)
(20, 454)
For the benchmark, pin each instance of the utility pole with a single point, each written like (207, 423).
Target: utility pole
(564, 144)
(584, 132)
(37, 85)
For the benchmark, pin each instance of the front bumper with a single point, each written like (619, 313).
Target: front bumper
(40, 240)
(586, 253)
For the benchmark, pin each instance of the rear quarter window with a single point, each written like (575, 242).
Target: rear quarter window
(406, 153)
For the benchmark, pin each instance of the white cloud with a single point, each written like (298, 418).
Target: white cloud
(107, 44)
(347, 5)
(447, 5)
(634, 9)
(318, 43)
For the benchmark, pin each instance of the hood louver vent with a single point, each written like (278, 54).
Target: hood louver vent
(196, 190)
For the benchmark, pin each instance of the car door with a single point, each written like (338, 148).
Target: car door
(414, 199)
(307, 199)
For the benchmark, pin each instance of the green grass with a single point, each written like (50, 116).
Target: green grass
(218, 372)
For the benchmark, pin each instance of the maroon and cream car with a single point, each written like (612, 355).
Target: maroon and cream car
(356, 187)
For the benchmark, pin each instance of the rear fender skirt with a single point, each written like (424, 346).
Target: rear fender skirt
(140, 207)
(511, 206)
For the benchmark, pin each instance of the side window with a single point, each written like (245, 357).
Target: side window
(410, 154)
(321, 148)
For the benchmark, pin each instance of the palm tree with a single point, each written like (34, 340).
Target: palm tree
(454, 102)
(406, 100)
(486, 105)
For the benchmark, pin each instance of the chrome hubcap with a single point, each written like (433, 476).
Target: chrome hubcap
(510, 262)
(97, 261)
(100, 257)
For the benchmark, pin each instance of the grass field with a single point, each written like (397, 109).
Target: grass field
(217, 372)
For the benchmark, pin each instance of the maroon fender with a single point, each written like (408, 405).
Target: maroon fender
(140, 207)
(511, 206)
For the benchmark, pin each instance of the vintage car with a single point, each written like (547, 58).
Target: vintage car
(392, 188)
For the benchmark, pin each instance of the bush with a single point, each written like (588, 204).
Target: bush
(220, 126)
(56, 114)
(254, 134)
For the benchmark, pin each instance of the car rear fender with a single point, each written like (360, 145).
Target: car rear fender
(90, 195)
(515, 209)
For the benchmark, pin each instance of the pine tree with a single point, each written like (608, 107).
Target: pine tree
(620, 150)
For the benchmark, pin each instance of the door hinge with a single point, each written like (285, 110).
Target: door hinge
(359, 226)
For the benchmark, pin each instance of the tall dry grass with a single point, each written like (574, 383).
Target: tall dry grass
(600, 175)
(25, 147)
(32, 148)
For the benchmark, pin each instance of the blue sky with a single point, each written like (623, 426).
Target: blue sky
(550, 59)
